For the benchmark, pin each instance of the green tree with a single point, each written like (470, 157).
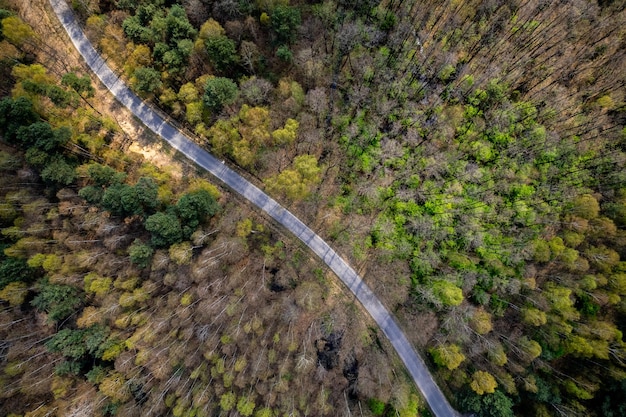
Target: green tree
(165, 228)
(490, 405)
(146, 80)
(284, 21)
(82, 85)
(14, 114)
(219, 92)
(103, 175)
(14, 270)
(59, 171)
(147, 191)
(298, 181)
(122, 200)
(77, 343)
(140, 253)
(59, 301)
(245, 406)
(92, 194)
(193, 208)
(222, 53)
(16, 31)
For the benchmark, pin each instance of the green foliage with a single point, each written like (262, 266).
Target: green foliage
(146, 191)
(165, 228)
(193, 208)
(284, 21)
(586, 206)
(14, 270)
(228, 401)
(78, 343)
(490, 405)
(284, 53)
(59, 172)
(376, 406)
(16, 31)
(219, 92)
(140, 253)
(103, 175)
(15, 114)
(59, 301)
(222, 53)
(92, 194)
(121, 200)
(146, 80)
(82, 85)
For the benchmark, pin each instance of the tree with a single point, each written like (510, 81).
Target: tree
(181, 253)
(286, 135)
(14, 293)
(59, 301)
(448, 356)
(146, 80)
(448, 293)
(140, 253)
(284, 21)
(59, 171)
(147, 191)
(296, 182)
(103, 175)
(490, 405)
(481, 322)
(14, 114)
(165, 228)
(219, 92)
(228, 401)
(115, 386)
(483, 383)
(78, 343)
(14, 270)
(82, 85)
(16, 31)
(245, 406)
(122, 200)
(222, 53)
(533, 316)
(586, 206)
(193, 208)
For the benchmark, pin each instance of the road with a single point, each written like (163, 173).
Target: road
(413, 362)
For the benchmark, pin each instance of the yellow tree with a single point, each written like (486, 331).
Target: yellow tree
(481, 322)
(115, 387)
(448, 356)
(296, 183)
(483, 383)
(16, 31)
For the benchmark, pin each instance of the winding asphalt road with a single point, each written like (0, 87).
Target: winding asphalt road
(415, 365)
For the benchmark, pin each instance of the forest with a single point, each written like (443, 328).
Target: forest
(466, 157)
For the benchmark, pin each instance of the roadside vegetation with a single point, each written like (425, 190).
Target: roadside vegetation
(467, 157)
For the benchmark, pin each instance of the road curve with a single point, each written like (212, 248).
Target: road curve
(413, 362)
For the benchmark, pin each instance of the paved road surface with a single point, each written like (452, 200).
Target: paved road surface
(415, 365)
